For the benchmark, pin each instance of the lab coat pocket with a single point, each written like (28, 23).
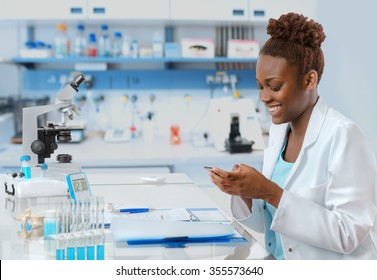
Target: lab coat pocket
(316, 194)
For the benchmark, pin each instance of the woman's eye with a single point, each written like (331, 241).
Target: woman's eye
(275, 88)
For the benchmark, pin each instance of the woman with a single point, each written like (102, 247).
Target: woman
(317, 196)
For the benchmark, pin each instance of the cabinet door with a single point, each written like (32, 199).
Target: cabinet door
(209, 10)
(263, 10)
(129, 9)
(43, 9)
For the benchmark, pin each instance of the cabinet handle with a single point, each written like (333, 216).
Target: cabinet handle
(99, 10)
(238, 12)
(259, 13)
(76, 10)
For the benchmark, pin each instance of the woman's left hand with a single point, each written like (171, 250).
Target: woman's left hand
(246, 182)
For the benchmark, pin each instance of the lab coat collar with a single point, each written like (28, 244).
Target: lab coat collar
(271, 154)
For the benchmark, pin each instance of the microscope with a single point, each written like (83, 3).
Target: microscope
(40, 142)
(235, 143)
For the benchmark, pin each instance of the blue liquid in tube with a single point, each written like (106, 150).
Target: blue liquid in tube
(81, 253)
(100, 252)
(59, 254)
(70, 253)
(25, 166)
(90, 252)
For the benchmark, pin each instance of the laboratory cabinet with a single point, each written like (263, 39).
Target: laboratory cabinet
(263, 10)
(209, 10)
(128, 9)
(176, 10)
(43, 9)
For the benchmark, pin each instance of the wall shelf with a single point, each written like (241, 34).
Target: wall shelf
(20, 60)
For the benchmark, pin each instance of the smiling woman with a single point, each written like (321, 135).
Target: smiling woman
(317, 195)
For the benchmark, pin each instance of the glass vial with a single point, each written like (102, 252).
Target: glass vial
(25, 166)
(104, 42)
(80, 42)
(61, 41)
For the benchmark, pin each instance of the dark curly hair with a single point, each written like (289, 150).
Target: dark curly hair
(298, 40)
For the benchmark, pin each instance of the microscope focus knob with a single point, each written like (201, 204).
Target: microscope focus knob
(38, 147)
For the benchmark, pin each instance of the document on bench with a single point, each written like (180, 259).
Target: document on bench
(153, 231)
(178, 214)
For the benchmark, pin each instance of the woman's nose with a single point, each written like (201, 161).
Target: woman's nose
(263, 96)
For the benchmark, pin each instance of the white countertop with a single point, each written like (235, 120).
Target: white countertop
(177, 192)
(95, 152)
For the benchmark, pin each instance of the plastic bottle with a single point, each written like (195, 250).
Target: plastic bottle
(25, 166)
(61, 42)
(117, 44)
(92, 50)
(80, 42)
(49, 228)
(134, 49)
(126, 47)
(157, 45)
(104, 42)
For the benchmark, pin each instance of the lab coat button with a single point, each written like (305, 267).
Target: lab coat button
(290, 250)
(264, 206)
(269, 244)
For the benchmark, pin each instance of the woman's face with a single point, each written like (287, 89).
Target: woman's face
(285, 98)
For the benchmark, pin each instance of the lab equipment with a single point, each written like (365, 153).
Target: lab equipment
(40, 142)
(134, 49)
(133, 210)
(61, 41)
(44, 168)
(220, 113)
(117, 44)
(78, 186)
(50, 228)
(158, 45)
(208, 168)
(175, 134)
(104, 42)
(16, 186)
(25, 166)
(80, 42)
(92, 50)
(235, 143)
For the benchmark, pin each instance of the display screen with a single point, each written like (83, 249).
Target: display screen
(80, 185)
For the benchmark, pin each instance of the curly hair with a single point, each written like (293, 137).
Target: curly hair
(297, 40)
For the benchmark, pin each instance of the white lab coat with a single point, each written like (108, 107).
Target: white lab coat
(329, 205)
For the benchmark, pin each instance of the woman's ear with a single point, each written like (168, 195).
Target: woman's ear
(311, 80)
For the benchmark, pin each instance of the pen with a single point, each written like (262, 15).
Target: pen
(133, 210)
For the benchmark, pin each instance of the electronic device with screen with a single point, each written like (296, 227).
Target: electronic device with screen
(78, 186)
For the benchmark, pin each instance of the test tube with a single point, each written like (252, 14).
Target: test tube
(80, 231)
(89, 234)
(71, 238)
(25, 166)
(100, 229)
(60, 238)
(44, 168)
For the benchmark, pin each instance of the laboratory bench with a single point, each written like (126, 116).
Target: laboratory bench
(93, 154)
(177, 191)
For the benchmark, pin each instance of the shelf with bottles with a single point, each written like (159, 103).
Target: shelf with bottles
(21, 60)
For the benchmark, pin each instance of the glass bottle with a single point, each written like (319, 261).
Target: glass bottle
(104, 42)
(61, 41)
(92, 50)
(80, 42)
(117, 44)
(25, 166)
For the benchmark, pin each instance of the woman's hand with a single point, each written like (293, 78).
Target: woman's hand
(248, 183)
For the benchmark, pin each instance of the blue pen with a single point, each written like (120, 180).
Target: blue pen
(133, 210)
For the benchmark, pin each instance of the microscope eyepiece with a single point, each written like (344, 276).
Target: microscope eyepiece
(77, 80)
(64, 136)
